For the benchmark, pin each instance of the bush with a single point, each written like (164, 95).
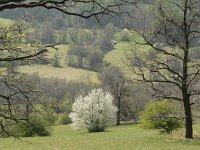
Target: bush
(64, 119)
(125, 36)
(46, 114)
(160, 115)
(106, 46)
(36, 126)
(95, 59)
(94, 111)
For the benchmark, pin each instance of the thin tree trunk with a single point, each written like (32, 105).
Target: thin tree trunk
(118, 111)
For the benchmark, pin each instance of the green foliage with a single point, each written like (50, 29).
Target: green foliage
(64, 119)
(37, 124)
(106, 45)
(160, 115)
(46, 114)
(77, 54)
(95, 59)
(36, 127)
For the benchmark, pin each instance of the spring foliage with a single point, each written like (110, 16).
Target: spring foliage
(160, 115)
(94, 111)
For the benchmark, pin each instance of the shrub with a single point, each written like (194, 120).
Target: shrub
(94, 111)
(46, 114)
(64, 119)
(125, 36)
(36, 127)
(160, 115)
(106, 45)
(95, 59)
(38, 124)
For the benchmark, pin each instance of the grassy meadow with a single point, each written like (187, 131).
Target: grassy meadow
(114, 57)
(63, 72)
(5, 22)
(124, 137)
(67, 73)
(62, 51)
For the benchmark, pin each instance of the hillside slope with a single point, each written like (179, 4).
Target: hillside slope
(67, 73)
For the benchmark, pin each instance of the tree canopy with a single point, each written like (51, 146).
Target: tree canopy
(81, 8)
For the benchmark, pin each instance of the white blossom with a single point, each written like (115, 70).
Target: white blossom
(95, 111)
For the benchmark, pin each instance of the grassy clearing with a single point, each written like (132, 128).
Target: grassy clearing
(117, 56)
(62, 51)
(67, 73)
(116, 138)
(5, 22)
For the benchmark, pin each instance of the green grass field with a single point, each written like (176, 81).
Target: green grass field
(67, 73)
(117, 56)
(129, 137)
(4, 21)
(62, 51)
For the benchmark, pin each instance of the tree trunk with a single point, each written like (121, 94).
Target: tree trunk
(188, 119)
(80, 61)
(118, 111)
(186, 96)
(186, 100)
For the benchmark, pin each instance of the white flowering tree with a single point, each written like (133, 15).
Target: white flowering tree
(95, 111)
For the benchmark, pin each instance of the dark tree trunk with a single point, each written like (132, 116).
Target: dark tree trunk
(186, 96)
(118, 111)
(80, 62)
(188, 119)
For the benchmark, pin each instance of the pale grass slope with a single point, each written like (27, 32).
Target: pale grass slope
(67, 73)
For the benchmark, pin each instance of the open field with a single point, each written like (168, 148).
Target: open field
(67, 73)
(117, 55)
(62, 51)
(129, 137)
(4, 22)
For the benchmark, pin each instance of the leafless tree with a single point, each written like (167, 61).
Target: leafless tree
(170, 28)
(80, 8)
(18, 93)
(17, 98)
(113, 79)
